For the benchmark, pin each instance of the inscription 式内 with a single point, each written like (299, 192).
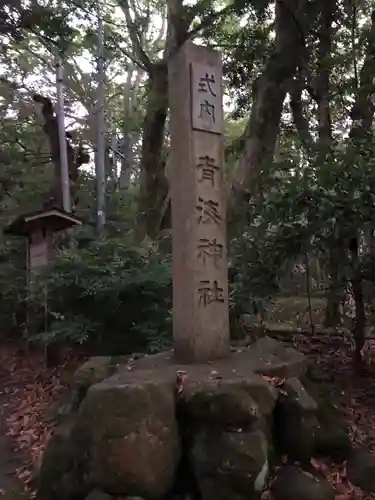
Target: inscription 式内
(206, 105)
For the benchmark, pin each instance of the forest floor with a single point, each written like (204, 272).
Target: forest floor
(28, 393)
(29, 390)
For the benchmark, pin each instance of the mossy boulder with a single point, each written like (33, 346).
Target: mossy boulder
(135, 444)
(93, 371)
(230, 464)
(293, 483)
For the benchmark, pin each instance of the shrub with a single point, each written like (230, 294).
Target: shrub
(110, 294)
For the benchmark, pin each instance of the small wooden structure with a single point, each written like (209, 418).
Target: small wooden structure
(39, 228)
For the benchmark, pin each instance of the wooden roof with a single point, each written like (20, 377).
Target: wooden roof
(53, 219)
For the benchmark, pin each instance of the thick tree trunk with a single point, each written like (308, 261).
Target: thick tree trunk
(154, 185)
(360, 138)
(324, 147)
(269, 95)
(76, 156)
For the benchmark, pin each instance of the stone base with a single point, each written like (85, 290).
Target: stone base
(156, 429)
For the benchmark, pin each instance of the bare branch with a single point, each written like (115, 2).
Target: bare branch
(134, 36)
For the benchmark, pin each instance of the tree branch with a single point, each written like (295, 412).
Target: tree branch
(134, 36)
(363, 109)
(300, 121)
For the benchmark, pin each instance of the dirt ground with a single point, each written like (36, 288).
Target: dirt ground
(11, 460)
(28, 391)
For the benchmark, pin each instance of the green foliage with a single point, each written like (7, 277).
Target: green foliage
(256, 269)
(111, 294)
(12, 285)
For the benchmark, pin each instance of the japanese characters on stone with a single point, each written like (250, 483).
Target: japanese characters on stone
(208, 211)
(208, 169)
(206, 98)
(210, 250)
(210, 291)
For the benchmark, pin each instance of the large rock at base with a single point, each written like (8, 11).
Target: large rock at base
(332, 435)
(135, 446)
(292, 483)
(230, 465)
(61, 475)
(93, 371)
(98, 495)
(295, 422)
(332, 440)
(231, 403)
(276, 360)
(361, 470)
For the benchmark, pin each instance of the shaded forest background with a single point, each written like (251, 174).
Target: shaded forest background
(299, 80)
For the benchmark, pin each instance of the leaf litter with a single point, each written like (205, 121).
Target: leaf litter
(32, 390)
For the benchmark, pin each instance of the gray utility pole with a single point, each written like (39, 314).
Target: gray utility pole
(64, 167)
(100, 142)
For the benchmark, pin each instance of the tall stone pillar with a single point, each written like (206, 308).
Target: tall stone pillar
(200, 266)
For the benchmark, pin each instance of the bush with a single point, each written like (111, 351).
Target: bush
(255, 273)
(109, 294)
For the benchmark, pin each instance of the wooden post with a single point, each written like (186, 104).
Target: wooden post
(200, 266)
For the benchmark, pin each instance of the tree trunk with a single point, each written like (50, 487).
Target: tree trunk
(269, 95)
(360, 317)
(308, 290)
(328, 8)
(100, 153)
(360, 138)
(76, 156)
(333, 315)
(153, 185)
(324, 146)
(130, 94)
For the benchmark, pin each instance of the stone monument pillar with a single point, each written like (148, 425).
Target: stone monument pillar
(200, 266)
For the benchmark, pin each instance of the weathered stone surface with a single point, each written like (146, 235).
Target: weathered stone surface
(297, 393)
(123, 438)
(230, 464)
(292, 483)
(61, 475)
(332, 435)
(94, 370)
(231, 402)
(333, 441)
(295, 422)
(265, 357)
(361, 470)
(98, 495)
(135, 446)
(89, 373)
(275, 360)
